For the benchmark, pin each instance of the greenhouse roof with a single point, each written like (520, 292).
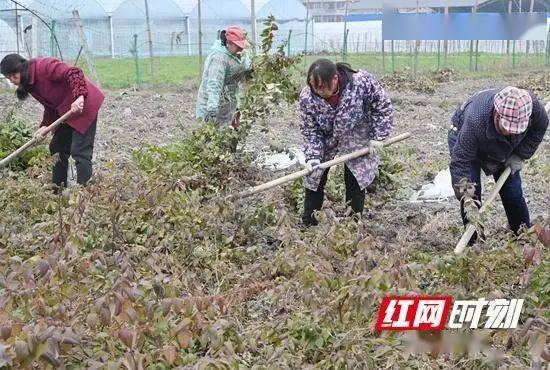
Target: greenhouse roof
(230, 10)
(186, 6)
(135, 9)
(110, 5)
(258, 3)
(283, 10)
(63, 9)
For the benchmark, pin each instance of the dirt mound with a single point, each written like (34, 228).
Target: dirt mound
(539, 84)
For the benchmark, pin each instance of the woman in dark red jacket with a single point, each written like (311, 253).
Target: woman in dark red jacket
(60, 88)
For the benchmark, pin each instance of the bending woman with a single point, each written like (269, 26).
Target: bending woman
(342, 110)
(60, 88)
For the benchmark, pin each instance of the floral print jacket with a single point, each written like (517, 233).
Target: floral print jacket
(363, 113)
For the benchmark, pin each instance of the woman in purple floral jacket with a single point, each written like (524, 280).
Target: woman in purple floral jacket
(342, 110)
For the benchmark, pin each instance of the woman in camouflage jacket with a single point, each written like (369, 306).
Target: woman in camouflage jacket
(342, 110)
(223, 71)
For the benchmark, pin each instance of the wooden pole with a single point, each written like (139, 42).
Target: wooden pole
(4, 162)
(112, 35)
(253, 24)
(188, 36)
(34, 36)
(392, 56)
(416, 45)
(87, 52)
(150, 39)
(477, 41)
(78, 56)
(307, 23)
(508, 41)
(471, 229)
(200, 36)
(304, 172)
(472, 41)
(17, 28)
(345, 47)
(531, 6)
(383, 57)
(519, 42)
(445, 42)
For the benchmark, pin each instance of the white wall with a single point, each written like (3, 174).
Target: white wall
(367, 37)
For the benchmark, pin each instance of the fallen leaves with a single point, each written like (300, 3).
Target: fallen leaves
(543, 233)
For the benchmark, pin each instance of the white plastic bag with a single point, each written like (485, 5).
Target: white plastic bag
(440, 190)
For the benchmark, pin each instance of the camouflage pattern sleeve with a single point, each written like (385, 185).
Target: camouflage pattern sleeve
(311, 132)
(214, 79)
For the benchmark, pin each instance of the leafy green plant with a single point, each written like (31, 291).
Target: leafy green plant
(272, 83)
(209, 151)
(14, 132)
(206, 154)
(138, 271)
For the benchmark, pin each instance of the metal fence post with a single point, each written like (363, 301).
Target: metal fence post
(477, 54)
(438, 54)
(383, 57)
(392, 57)
(52, 39)
(514, 54)
(136, 58)
(288, 43)
(345, 47)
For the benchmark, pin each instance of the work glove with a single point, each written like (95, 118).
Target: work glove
(236, 120)
(376, 147)
(245, 75)
(466, 193)
(471, 208)
(465, 188)
(249, 74)
(313, 166)
(515, 163)
(210, 117)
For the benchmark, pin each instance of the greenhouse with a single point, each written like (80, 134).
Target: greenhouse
(216, 18)
(47, 27)
(168, 24)
(59, 14)
(109, 26)
(295, 25)
(8, 39)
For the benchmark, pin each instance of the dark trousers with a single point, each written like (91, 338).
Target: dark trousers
(69, 142)
(511, 195)
(355, 197)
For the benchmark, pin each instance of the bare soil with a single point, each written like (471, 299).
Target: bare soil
(130, 119)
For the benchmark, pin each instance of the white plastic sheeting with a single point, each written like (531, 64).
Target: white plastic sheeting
(440, 190)
(280, 161)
